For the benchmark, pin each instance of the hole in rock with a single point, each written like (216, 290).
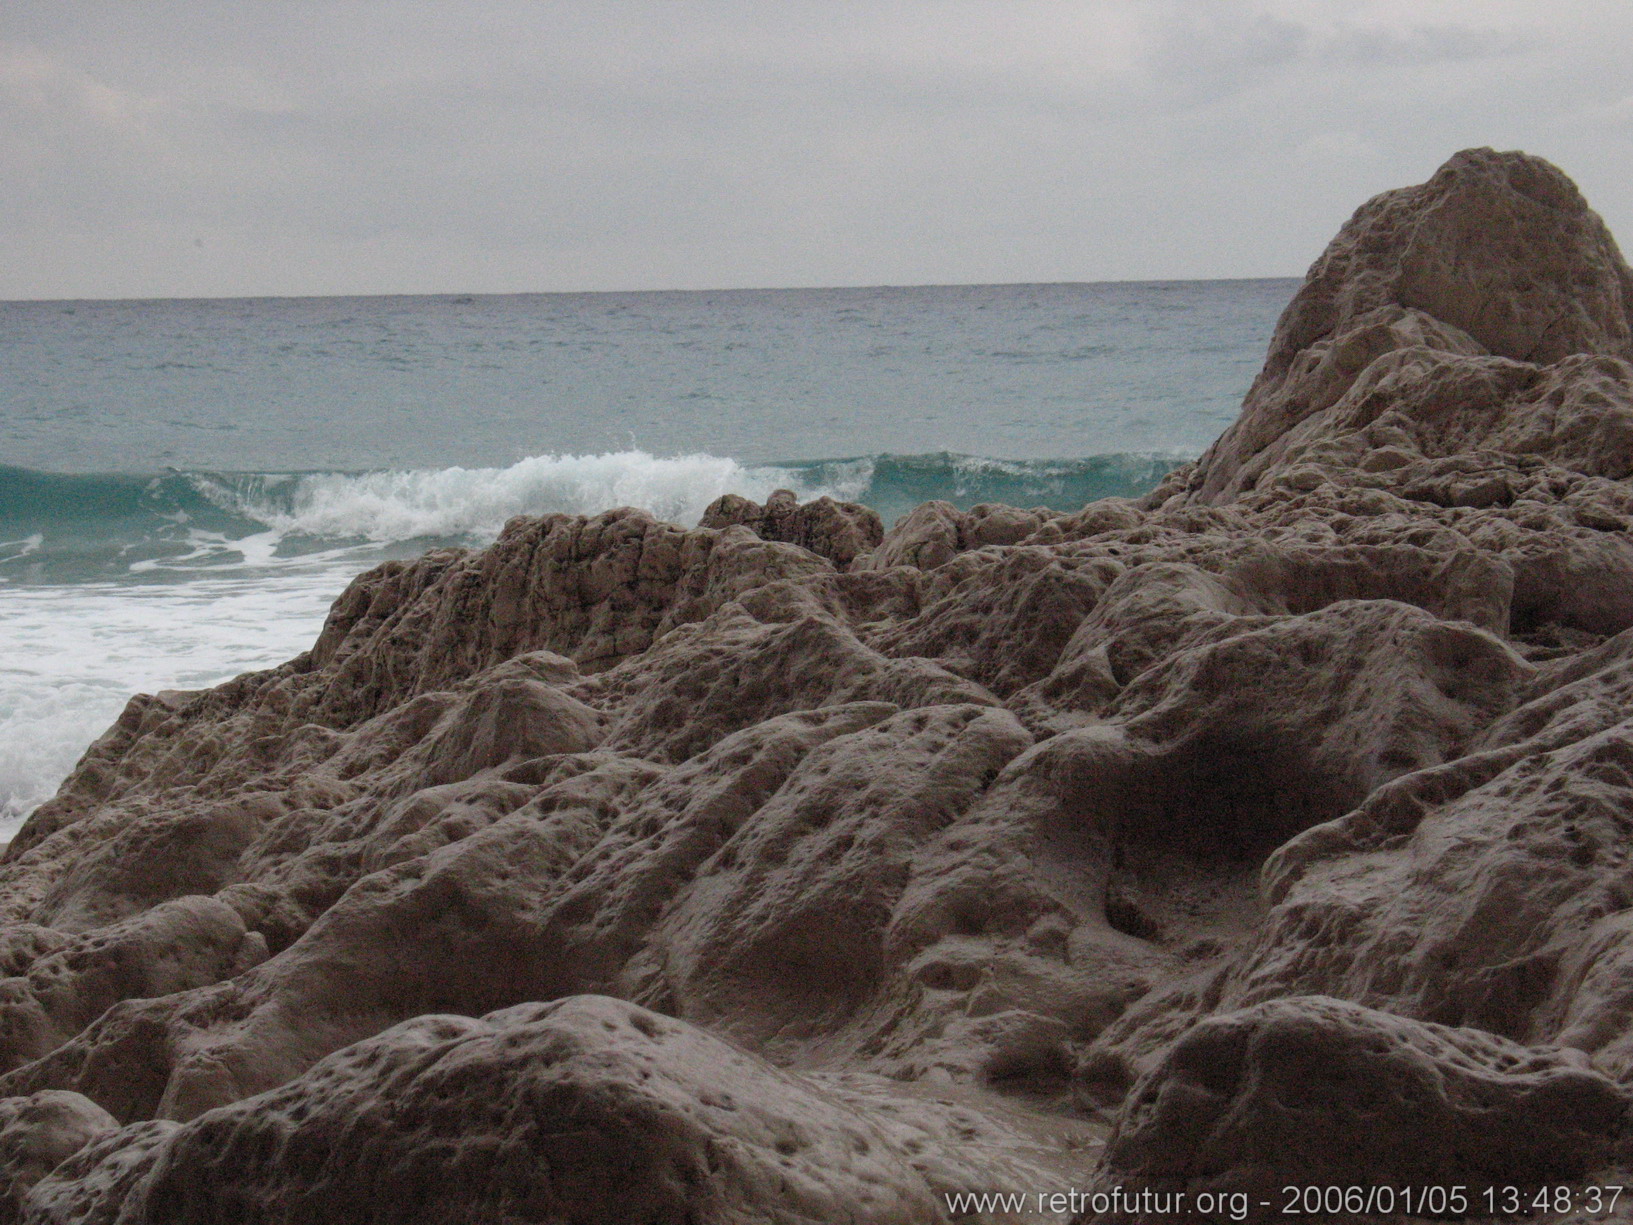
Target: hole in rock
(1168, 847)
(1125, 915)
(1236, 799)
(1041, 1072)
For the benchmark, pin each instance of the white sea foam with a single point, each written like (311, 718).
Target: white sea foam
(75, 654)
(230, 603)
(475, 502)
(16, 550)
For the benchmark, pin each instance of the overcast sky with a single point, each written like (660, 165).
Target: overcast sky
(385, 146)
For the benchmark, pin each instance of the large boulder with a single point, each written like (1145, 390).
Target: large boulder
(1497, 258)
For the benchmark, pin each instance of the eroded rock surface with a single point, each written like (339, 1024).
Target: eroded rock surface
(37, 1134)
(1312, 1091)
(1276, 821)
(839, 531)
(584, 1109)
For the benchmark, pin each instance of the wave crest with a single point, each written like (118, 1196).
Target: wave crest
(67, 527)
(476, 502)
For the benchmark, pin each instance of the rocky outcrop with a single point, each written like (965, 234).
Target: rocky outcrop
(935, 532)
(1309, 1091)
(179, 944)
(39, 1133)
(1492, 290)
(585, 1109)
(839, 531)
(1272, 826)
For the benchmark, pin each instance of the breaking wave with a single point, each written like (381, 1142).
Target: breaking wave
(49, 521)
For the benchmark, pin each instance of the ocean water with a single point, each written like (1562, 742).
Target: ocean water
(185, 486)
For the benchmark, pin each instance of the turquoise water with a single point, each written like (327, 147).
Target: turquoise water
(186, 485)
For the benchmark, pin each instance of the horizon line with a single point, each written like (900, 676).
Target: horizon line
(582, 293)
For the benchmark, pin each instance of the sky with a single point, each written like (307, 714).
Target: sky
(203, 149)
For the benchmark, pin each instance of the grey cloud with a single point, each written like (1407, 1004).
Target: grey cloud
(1421, 45)
(1219, 52)
(413, 147)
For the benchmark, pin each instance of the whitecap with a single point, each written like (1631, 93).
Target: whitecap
(474, 503)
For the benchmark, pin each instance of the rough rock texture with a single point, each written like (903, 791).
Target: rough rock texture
(585, 1109)
(37, 1134)
(1476, 286)
(934, 532)
(839, 531)
(1351, 1097)
(1274, 824)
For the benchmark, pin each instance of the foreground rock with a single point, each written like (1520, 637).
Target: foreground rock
(1284, 806)
(1312, 1092)
(37, 1134)
(585, 1109)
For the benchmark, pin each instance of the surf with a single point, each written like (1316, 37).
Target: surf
(75, 527)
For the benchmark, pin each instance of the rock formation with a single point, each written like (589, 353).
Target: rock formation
(839, 531)
(1269, 830)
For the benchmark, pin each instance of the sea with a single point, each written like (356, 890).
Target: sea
(186, 485)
